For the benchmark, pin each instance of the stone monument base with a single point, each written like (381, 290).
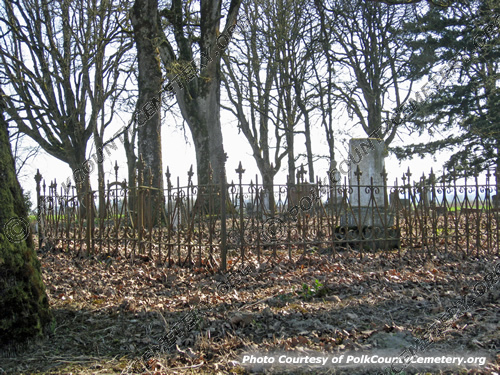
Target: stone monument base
(367, 217)
(368, 238)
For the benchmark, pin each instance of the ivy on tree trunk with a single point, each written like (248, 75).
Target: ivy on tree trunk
(24, 307)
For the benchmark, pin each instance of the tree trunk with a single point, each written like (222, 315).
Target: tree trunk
(132, 174)
(81, 172)
(291, 154)
(144, 17)
(307, 133)
(268, 183)
(207, 137)
(100, 175)
(145, 22)
(24, 307)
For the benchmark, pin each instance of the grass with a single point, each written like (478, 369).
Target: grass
(459, 207)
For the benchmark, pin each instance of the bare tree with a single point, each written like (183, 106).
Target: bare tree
(107, 88)
(287, 110)
(303, 47)
(364, 46)
(265, 75)
(322, 67)
(249, 76)
(60, 65)
(194, 31)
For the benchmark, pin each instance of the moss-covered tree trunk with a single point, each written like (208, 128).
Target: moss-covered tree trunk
(24, 307)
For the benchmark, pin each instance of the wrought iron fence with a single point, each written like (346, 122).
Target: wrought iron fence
(185, 224)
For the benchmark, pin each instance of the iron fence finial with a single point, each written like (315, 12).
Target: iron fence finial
(358, 174)
(240, 170)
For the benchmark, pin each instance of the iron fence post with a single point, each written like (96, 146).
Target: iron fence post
(38, 179)
(223, 212)
(240, 172)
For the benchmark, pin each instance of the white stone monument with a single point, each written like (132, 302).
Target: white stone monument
(368, 198)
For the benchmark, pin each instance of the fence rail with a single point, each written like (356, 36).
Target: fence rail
(184, 224)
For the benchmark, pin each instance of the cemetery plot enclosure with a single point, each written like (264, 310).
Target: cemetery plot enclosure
(184, 225)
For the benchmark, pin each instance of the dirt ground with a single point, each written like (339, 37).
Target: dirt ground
(109, 312)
